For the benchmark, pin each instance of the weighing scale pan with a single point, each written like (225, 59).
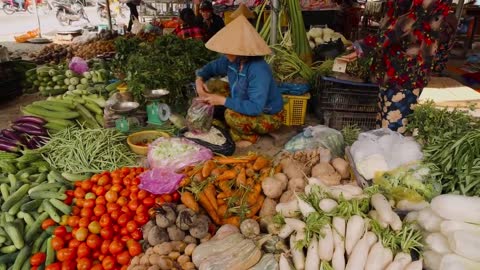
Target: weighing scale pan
(124, 107)
(153, 94)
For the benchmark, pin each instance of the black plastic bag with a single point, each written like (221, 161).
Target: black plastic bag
(226, 149)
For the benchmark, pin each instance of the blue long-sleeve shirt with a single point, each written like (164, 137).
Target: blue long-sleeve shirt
(253, 90)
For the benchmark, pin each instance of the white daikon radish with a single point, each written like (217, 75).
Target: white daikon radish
(383, 207)
(374, 215)
(400, 262)
(438, 243)
(316, 182)
(287, 209)
(325, 244)
(354, 190)
(379, 257)
(285, 231)
(448, 226)
(338, 259)
(455, 262)
(359, 256)
(297, 254)
(465, 244)
(416, 265)
(431, 260)
(296, 224)
(347, 192)
(406, 205)
(355, 231)
(428, 220)
(308, 189)
(457, 207)
(396, 223)
(284, 264)
(327, 205)
(312, 262)
(305, 208)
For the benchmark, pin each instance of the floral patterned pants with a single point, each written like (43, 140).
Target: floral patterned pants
(394, 106)
(249, 128)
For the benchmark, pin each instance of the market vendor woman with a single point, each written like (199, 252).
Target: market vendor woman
(255, 105)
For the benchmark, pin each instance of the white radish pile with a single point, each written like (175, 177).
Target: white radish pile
(327, 230)
(452, 226)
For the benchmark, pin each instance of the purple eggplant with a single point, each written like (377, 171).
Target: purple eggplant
(12, 135)
(9, 141)
(9, 147)
(36, 142)
(30, 129)
(31, 120)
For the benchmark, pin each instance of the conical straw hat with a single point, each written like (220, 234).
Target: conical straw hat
(238, 38)
(244, 10)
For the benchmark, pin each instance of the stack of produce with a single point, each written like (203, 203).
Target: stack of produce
(27, 132)
(83, 151)
(57, 79)
(341, 227)
(228, 188)
(33, 195)
(53, 53)
(452, 232)
(93, 49)
(173, 235)
(449, 139)
(68, 111)
(104, 227)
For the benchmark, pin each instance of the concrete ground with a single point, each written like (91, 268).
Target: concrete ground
(10, 110)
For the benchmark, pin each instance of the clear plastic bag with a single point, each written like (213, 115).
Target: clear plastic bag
(318, 136)
(176, 153)
(199, 116)
(78, 65)
(160, 181)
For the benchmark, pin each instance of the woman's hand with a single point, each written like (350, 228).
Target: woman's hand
(351, 56)
(201, 87)
(215, 100)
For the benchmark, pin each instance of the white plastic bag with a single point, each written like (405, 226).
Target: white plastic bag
(318, 136)
(383, 150)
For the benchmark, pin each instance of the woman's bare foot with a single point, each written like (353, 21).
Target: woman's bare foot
(243, 144)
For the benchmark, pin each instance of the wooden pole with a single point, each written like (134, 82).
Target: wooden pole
(109, 16)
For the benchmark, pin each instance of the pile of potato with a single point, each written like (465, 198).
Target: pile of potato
(171, 237)
(92, 49)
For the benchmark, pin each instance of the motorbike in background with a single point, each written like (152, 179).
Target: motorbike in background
(70, 11)
(11, 6)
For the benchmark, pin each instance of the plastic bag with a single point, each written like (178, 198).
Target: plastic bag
(137, 27)
(160, 181)
(318, 136)
(176, 153)
(78, 65)
(199, 116)
(226, 149)
(383, 150)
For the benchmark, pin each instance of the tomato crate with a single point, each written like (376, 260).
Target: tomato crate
(295, 109)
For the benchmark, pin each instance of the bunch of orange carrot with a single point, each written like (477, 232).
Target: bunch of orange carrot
(229, 189)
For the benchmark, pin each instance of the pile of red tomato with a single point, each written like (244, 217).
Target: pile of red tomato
(104, 229)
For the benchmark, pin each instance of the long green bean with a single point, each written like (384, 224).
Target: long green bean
(79, 150)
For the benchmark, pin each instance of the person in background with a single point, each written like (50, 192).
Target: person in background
(187, 28)
(403, 53)
(255, 105)
(132, 5)
(211, 22)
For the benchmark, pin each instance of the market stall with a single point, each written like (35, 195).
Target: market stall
(119, 166)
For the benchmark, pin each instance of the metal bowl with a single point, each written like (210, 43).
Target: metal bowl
(125, 107)
(158, 93)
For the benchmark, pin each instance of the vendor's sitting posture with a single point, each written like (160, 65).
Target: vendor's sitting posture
(255, 104)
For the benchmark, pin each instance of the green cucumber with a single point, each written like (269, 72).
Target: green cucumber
(15, 197)
(35, 227)
(8, 249)
(16, 207)
(27, 217)
(24, 254)
(39, 241)
(41, 177)
(50, 258)
(14, 234)
(54, 127)
(76, 177)
(61, 206)
(31, 206)
(45, 186)
(63, 122)
(52, 212)
(93, 107)
(56, 177)
(53, 105)
(47, 195)
(4, 191)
